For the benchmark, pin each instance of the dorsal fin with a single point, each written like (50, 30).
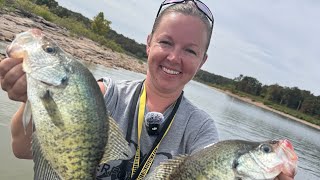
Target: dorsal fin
(117, 147)
(165, 169)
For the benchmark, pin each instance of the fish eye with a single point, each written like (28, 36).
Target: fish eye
(49, 49)
(266, 148)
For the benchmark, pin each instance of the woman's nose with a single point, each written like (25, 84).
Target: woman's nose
(174, 55)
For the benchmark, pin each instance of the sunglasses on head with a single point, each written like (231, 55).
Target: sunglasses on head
(200, 5)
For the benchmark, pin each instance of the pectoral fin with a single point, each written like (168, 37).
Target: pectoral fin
(52, 110)
(26, 118)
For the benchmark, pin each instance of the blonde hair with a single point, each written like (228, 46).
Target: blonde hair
(186, 8)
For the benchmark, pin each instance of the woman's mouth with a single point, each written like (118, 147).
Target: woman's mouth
(170, 71)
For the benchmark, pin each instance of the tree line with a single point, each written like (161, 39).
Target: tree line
(99, 25)
(291, 97)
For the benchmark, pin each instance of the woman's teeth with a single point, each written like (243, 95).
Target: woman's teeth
(169, 71)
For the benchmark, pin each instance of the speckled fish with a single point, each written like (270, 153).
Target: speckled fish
(232, 160)
(73, 133)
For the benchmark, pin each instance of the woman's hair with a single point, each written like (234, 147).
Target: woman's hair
(190, 9)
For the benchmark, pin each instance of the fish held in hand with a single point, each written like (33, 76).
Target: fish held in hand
(73, 132)
(232, 159)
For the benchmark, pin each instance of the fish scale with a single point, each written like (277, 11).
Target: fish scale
(230, 160)
(77, 129)
(73, 132)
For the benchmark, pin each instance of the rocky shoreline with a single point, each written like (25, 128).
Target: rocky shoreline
(12, 23)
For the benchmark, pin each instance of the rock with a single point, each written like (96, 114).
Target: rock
(17, 21)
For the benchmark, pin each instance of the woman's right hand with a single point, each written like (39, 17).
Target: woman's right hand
(13, 79)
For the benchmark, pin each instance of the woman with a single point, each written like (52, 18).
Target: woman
(176, 49)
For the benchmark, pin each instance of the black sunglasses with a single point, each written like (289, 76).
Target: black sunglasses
(200, 5)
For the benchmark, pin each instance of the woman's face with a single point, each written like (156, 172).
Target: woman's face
(176, 51)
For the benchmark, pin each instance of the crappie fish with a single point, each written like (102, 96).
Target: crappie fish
(232, 160)
(73, 132)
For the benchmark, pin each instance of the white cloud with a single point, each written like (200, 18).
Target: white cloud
(273, 41)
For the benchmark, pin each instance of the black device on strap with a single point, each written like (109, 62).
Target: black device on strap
(161, 134)
(132, 112)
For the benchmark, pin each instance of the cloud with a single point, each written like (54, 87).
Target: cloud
(273, 41)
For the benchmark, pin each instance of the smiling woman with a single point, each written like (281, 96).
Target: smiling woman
(176, 49)
(260, 34)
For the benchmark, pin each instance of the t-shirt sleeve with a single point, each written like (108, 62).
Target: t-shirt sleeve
(111, 94)
(207, 134)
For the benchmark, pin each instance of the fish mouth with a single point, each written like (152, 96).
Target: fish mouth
(15, 49)
(288, 156)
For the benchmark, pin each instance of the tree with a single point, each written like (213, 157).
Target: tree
(249, 85)
(239, 78)
(274, 93)
(291, 97)
(49, 3)
(100, 25)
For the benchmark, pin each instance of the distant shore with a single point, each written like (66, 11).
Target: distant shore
(261, 105)
(87, 50)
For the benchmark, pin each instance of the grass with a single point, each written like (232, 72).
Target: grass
(1, 3)
(75, 27)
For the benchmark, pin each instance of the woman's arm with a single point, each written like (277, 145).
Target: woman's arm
(21, 138)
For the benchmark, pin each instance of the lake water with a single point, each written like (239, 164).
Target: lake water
(234, 119)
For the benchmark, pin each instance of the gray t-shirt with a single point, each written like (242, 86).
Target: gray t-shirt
(191, 130)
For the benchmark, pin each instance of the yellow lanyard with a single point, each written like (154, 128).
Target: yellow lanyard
(150, 159)
(142, 106)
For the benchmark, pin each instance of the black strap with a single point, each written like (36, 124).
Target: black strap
(132, 112)
(161, 134)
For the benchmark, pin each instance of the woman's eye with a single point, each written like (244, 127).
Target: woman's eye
(191, 51)
(165, 42)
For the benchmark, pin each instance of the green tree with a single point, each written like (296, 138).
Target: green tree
(249, 85)
(100, 25)
(264, 91)
(274, 93)
(49, 3)
(239, 78)
(291, 97)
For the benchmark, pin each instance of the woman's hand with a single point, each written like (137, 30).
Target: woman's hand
(13, 79)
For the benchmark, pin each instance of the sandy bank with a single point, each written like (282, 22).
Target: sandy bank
(261, 105)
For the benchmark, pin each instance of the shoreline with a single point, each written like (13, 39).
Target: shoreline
(261, 105)
(90, 51)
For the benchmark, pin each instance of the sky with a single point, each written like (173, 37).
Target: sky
(273, 41)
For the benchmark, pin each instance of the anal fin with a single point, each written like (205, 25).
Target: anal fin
(42, 168)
